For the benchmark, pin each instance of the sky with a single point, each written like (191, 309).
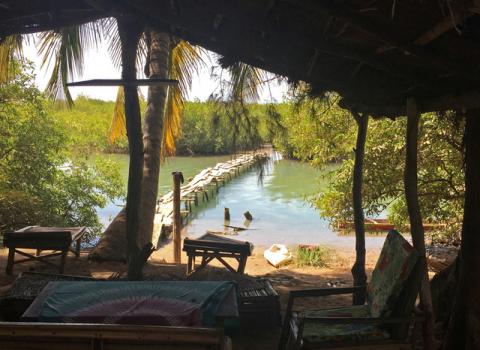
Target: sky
(99, 66)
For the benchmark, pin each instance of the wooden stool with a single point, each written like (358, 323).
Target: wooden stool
(58, 239)
(210, 247)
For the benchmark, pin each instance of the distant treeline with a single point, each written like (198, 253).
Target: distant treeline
(208, 128)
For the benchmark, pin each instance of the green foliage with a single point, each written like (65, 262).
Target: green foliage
(207, 127)
(221, 128)
(440, 174)
(314, 255)
(18, 209)
(316, 130)
(325, 137)
(41, 181)
(89, 123)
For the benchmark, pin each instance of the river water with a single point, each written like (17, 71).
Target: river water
(277, 200)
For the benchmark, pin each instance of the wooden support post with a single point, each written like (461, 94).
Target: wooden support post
(358, 269)
(464, 327)
(177, 219)
(78, 247)
(416, 225)
(10, 261)
(63, 261)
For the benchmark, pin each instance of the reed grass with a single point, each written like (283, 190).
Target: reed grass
(314, 255)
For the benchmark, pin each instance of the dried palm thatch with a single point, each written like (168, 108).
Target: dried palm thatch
(375, 54)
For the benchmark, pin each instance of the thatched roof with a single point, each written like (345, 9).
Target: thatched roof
(374, 53)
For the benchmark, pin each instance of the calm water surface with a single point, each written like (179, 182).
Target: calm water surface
(190, 166)
(277, 200)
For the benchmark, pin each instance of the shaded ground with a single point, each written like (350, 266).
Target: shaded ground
(283, 280)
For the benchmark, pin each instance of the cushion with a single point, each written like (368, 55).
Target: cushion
(314, 333)
(393, 268)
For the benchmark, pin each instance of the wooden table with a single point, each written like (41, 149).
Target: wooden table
(56, 239)
(210, 247)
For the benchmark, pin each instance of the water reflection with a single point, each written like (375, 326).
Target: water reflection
(281, 213)
(275, 196)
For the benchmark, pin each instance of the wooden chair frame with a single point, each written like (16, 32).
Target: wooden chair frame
(398, 323)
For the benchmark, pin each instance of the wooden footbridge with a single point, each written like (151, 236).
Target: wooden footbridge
(202, 187)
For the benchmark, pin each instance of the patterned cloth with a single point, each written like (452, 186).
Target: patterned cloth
(314, 332)
(393, 267)
(163, 303)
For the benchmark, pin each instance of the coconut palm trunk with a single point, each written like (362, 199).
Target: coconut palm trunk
(158, 67)
(113, 242)
(136, 256)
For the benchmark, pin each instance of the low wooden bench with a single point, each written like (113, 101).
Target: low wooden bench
(56, 239)
(210, 247)
(53, 336)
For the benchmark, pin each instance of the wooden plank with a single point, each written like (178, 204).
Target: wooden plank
(188, 247)
(117, 82)
(200, 183)
(180, 335)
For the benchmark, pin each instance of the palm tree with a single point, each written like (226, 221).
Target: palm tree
(64, 48)
(10, 48)
(165, 59)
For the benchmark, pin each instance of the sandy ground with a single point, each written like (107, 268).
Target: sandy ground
(283, 280)
(160, 267)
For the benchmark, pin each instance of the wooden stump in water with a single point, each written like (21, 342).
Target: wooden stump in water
(226, 214)
(248, 216)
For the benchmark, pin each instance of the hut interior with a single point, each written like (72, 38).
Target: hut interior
(375, 54)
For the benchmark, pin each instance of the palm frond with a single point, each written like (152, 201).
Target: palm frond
(64, 50)
(10, 49)
(246, 82)
(110, 34)
(118, 126)
(112, 38)
(185, 62)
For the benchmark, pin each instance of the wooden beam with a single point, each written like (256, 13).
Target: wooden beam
(440, 28)
(303, 38)
(117, 82)
(383, 35)
(467, 100)
(442, 103)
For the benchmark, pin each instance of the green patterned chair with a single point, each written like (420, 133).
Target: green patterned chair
(382, 322)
